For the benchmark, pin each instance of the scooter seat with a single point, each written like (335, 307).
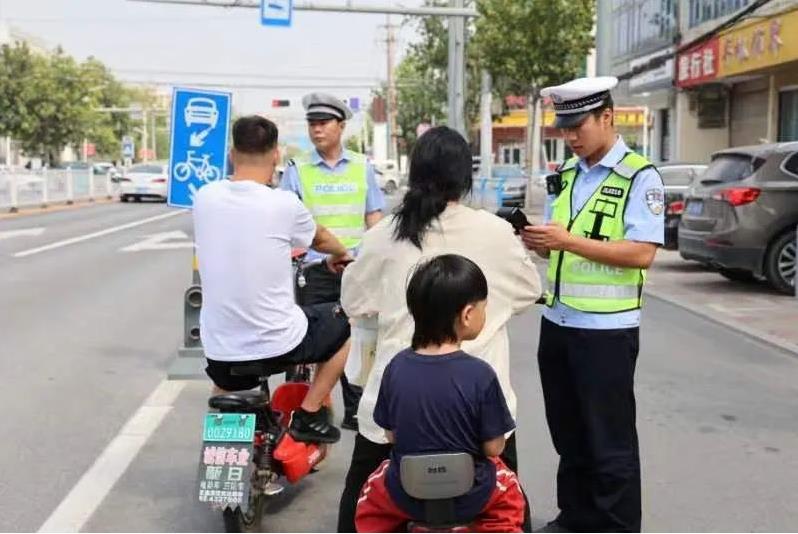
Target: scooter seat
(240, 401)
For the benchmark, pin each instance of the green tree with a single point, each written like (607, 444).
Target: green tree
(51, 101)
(422, 77)
(527, 45)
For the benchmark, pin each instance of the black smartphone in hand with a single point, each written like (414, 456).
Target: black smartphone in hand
(514, 216)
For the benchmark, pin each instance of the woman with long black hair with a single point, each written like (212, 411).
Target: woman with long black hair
(431, 221)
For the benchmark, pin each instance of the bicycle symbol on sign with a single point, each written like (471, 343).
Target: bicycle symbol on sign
(199, 166)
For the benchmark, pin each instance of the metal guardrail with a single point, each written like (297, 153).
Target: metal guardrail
(22, 188)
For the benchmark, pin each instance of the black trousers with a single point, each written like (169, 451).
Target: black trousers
(367, 456)
(322, 286)
(588, 388)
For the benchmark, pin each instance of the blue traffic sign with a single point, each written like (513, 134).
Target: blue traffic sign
(276, 12)
(200, 129)
(128, 147)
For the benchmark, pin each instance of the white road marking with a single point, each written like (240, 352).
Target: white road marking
(95, 484)
(86, 237)
(157, 242)
(25, 232)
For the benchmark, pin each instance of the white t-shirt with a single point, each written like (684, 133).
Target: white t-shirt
(244, 233)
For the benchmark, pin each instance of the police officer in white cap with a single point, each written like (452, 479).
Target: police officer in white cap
(340, 189)
(604, 223)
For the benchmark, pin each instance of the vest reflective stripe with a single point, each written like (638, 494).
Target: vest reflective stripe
(598, 291)
(342, 233)
(576, 281)
(337, 200)
(341, 209)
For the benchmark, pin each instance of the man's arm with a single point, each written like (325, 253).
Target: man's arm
(554, 236)
(494, 447)
(643, 230)
(375, 200)
(373, 218)
(290, 181)
(325, 242)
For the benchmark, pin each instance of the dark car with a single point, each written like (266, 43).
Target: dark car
(741, 217)
(678, 179)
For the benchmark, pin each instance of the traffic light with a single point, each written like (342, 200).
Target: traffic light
(281, 103)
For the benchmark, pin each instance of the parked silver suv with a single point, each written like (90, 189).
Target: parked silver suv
(741, 216)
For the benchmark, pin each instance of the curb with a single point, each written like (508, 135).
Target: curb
(55, 207)
(737, 326)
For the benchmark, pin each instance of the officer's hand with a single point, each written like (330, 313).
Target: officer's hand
(551, 236)
(337, 264)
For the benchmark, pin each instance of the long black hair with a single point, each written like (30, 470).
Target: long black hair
(438, 292)
(440, 172)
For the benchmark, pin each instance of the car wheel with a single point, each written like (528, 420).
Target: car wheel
(780, 263)
(123, 198)
(737, 275)
(390, 187)
(137, 199)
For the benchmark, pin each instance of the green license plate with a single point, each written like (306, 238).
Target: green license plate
(236, 427)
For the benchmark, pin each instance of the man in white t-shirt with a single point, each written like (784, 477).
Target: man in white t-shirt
(245, 231)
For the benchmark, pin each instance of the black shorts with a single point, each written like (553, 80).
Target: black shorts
(328, 331)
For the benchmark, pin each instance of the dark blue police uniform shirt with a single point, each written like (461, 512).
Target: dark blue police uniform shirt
(442, 404)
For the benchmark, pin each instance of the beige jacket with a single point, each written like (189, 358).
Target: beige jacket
(375, 285)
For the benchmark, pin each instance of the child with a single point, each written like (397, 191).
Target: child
(435, 398)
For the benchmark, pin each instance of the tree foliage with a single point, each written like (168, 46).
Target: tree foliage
(530, 44)
(422, 77)
(50, 101)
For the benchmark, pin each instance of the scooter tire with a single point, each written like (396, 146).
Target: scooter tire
(237, 521)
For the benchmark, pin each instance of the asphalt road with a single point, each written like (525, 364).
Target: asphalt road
(87, 331)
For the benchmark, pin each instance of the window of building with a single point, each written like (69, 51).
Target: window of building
(788, 115)
(701, 11)
(642, 25)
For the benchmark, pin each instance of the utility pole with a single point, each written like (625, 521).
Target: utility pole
(144, 135)
(486, 127)
(456, 114)
(391, 102)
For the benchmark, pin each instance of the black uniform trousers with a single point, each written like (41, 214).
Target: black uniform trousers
(588, 388)
(322, 286)
(367, 457)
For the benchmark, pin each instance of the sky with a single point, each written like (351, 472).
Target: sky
(343, 54)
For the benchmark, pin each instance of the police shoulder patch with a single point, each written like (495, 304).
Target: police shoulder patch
(655, 198)
(610, 191)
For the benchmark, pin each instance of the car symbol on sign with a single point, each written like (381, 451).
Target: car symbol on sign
(201, 111)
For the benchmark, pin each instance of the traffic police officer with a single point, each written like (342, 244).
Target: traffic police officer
(604, 223)
(340, 189)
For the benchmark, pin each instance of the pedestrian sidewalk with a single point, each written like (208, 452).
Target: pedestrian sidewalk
(753, 309)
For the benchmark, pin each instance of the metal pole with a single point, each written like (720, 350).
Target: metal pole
(14, 192)
(486, 128)
(308, 5)
(645, 131)
(8, 152)
(70, 187)
(391, 103)
(45, 188)
(144, 135)
(108, 185)
(456, 115)
(91, 184)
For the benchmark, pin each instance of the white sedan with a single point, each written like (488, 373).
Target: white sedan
(145, 180)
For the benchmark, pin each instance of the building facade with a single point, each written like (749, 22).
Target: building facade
(738, 85)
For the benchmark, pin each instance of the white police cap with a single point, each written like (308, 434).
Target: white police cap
(573, 101)
(323, 106)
